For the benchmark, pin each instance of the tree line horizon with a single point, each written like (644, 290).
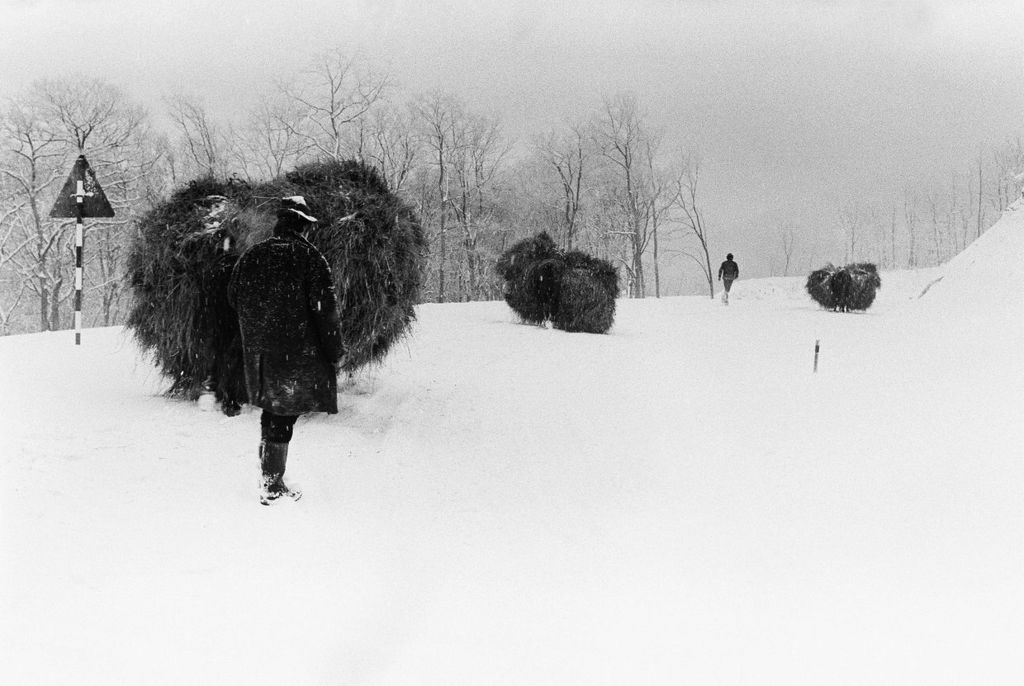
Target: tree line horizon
(608, 184)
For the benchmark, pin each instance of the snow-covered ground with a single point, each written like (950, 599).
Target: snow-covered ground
(679, 502)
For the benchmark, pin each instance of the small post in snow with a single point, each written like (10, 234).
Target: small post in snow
(817, 347)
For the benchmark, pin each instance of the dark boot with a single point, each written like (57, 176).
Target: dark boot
(273, 460)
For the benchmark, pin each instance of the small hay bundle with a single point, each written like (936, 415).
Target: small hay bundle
(843, 289)
(864, 285)
(819, 285)
(573, 290)
(841, 285)
(180, 264)
(586, 302)
(532, 269)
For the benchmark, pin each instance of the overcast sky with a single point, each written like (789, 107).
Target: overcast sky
(795, 105)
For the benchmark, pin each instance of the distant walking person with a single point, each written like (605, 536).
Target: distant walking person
(727, 273)
(281, 289)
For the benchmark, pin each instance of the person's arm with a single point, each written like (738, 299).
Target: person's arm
(233, 286)
(323, 308)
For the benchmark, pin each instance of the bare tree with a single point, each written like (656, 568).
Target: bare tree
(32, 163)
(93, 114)
(812, 252)
(567, 152)
(534, 200)
(202, 139)
(961, 209)
(910, 220)
(893, 232)
(11, 244)
(686, 198)
(851, 215)
(660, 198)
(394, 144)
(1009, 160)
(267, 145)
(132, 182)
(981, 188)
(619, 135)
(335, 92)
(437, 113)
(476, 157)
(601, 223)
(787, 238)
(935, 206)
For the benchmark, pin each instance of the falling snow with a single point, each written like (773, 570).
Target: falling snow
(683, 500)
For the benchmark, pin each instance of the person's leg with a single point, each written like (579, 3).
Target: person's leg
(277, 427)
(276, 432)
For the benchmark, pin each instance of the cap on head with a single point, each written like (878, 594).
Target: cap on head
(296, 204)
(729, 256)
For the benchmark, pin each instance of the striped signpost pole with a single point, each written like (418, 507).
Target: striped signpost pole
(79, 249)
(81, 197)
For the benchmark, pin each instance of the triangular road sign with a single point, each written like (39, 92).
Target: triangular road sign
(94, 202)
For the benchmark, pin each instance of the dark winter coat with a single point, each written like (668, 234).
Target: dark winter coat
(729, 270)
(287, 311)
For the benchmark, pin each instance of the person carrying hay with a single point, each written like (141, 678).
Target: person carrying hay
(727, 273)
(282, 291)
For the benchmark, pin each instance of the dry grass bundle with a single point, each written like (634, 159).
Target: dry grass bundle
(819, 285)
(375, 245)
(864, 285)
(180, 263)
(178, 268)
(573, 290)
(588, 289)
(843, 289)
(602, 270)
(531, 269)
(584, 305)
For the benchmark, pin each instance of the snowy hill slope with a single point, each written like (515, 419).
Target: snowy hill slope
(681, 501)
(985, 278)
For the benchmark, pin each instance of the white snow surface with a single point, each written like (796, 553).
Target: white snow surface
(682, 501)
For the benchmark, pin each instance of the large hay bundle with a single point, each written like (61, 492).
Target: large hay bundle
(573, 290)
(588, 289)
(532, 269)
(602, 270)
(843, 289)
(178, 267)
(584, 304)
(819, 285)
(375, 245)
(180, 262)
(864, 285)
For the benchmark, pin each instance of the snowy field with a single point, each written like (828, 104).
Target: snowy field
(679, 502)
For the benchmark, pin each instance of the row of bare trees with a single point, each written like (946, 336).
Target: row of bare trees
(602, 184)
(922, 225)
(607, 183)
